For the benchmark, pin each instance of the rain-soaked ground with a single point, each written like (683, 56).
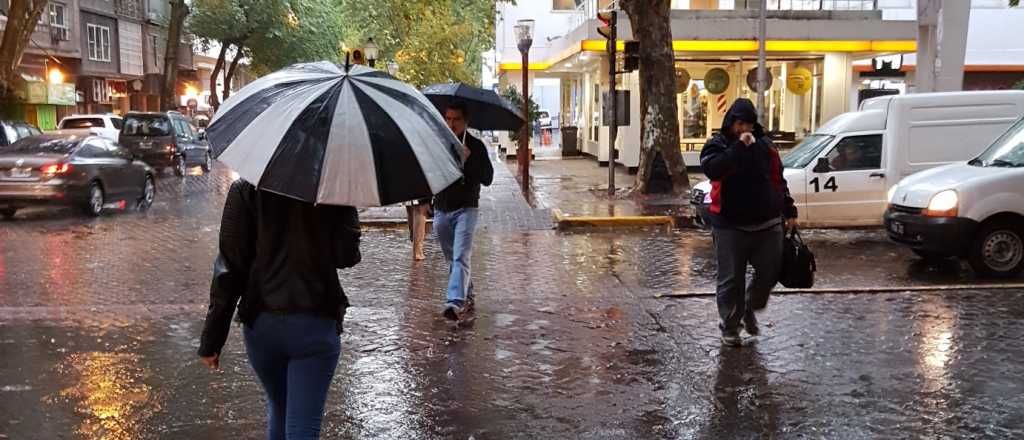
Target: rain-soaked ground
(99, 321)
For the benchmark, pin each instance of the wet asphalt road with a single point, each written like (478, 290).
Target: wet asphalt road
(99, 321)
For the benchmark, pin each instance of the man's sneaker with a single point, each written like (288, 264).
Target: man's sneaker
(731, 338)
(452, 311)
(470, 302)
(750, 324)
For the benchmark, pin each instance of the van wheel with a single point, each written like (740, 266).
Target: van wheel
(998, 249)
(94, 204)
(8, 213)
(931, 257)
(207, 163)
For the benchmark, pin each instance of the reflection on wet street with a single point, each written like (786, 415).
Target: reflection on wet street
(100, 319)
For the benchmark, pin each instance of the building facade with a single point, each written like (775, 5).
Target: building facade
(97, 56)
(50, 63)
(820, 55)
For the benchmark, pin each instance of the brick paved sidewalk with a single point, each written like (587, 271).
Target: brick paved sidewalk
(502, 207)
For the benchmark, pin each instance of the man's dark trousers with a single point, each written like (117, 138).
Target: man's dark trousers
(734, 249)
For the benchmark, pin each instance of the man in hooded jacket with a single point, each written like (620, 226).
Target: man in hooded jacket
(750, 206)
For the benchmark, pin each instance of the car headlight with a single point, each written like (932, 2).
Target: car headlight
(892, 193)
(943, 204)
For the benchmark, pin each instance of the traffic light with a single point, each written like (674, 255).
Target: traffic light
(631, 56)
(607, 28)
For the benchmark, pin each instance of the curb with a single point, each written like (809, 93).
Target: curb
(386, 223)
(563, 221)
(860, 290)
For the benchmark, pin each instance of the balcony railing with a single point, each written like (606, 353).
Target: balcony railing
(129, 8)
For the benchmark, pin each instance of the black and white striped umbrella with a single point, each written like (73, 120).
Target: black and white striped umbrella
(323, 135)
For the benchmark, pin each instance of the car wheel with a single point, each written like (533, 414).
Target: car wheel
(930, 257)
(148, 195)
(8, 213)
(998, 249)
(208, 164)
(94, 204)
(179, 166)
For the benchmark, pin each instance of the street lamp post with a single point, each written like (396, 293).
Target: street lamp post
(762, 68)
(524, 33)
(370, 51)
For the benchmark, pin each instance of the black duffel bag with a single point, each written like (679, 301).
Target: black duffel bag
(798, 265)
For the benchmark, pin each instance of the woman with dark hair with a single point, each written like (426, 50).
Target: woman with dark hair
(278, 264)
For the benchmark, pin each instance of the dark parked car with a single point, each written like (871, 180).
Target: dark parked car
(11, 131)
(89, 172)
(164, 140)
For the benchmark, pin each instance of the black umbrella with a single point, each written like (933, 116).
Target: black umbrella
(487, 110)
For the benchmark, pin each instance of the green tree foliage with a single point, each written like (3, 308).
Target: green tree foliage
(274, 33)
(433, 41)
(512, 95)
(1019, 85)
(309, 30)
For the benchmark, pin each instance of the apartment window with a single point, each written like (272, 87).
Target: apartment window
(100, 92)
(99, 42)
(57, 14)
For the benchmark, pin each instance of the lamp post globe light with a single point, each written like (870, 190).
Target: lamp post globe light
(392, 68)
(371, 51)
(524, 36)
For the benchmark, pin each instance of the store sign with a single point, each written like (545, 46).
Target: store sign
(40, 92)
(682, 80)
(35, 92)
(716, 81)
(799, 81)
(61, 94)
(887, 65)
(752, 79)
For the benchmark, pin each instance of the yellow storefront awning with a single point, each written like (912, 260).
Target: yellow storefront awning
(788, 46)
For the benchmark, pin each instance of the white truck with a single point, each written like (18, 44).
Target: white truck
(840, 175)
(107, 126)
(972, 210)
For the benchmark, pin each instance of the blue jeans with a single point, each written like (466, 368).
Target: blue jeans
(294, 357)
(455, 232)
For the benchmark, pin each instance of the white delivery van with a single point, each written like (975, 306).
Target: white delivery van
(839, 176)
(972, 210)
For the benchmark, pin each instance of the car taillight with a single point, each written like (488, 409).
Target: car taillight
(169, 148)
(55, 169)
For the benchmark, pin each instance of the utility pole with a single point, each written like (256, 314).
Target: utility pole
(609, 30)
(762, 68)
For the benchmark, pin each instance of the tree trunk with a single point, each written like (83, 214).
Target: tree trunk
(22, 17)
(214, 100)
(168, 99)
(659, 125)
(231, 71)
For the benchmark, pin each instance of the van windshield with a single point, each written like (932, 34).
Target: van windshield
(146, 126)
(1006, 151)
(808, 149)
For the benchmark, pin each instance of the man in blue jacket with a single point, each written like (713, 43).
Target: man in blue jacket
(750, 205)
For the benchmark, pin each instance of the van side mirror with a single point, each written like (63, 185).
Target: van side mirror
(822, 166)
